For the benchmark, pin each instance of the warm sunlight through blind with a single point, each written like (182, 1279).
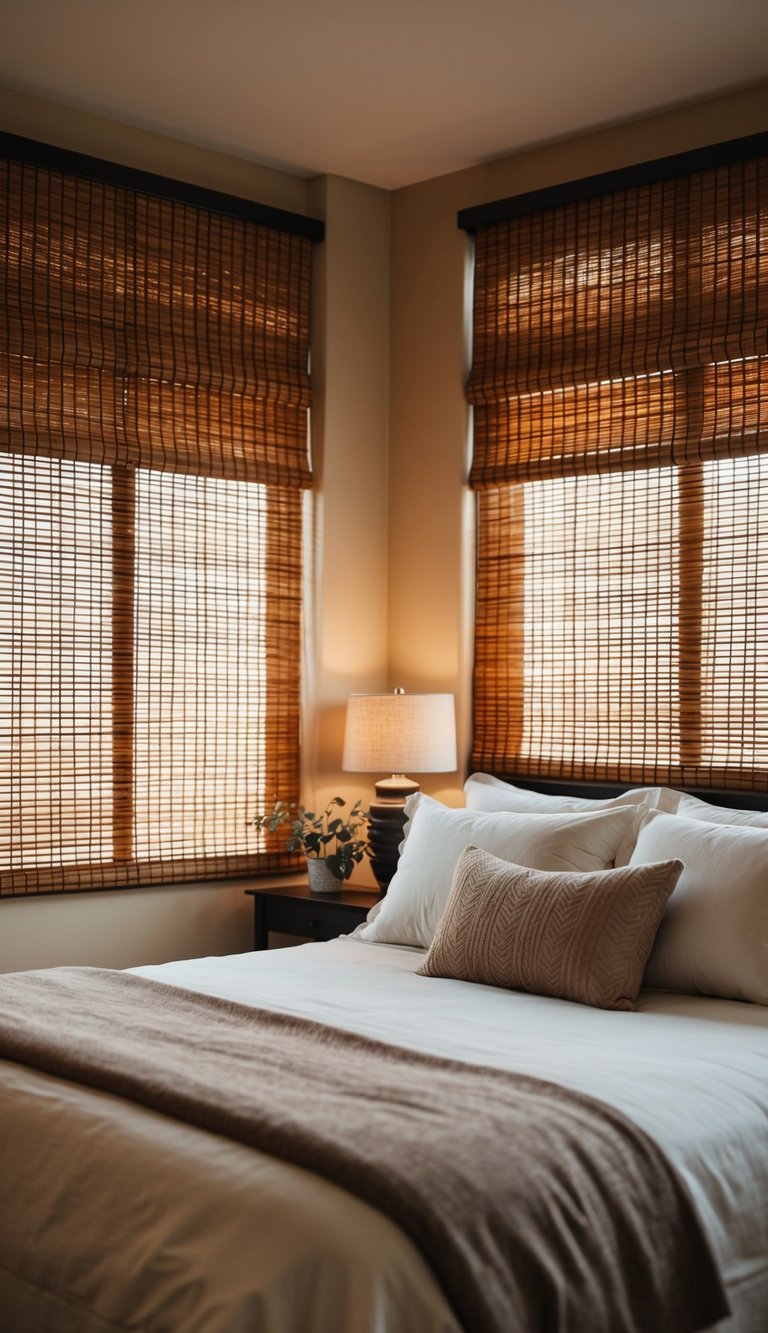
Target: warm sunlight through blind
(620, 391)
(153, 447)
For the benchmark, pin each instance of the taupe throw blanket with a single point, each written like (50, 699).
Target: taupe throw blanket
(539, 1209)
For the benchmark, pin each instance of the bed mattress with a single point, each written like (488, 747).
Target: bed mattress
(189, 1231)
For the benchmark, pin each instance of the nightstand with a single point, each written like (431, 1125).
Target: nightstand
(293, 910)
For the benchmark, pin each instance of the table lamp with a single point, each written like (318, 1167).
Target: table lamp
(392, 733)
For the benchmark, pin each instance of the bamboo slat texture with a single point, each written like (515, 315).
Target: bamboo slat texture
(154, 395)
(620, 395)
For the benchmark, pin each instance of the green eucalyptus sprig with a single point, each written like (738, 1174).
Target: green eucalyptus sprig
(326, 836)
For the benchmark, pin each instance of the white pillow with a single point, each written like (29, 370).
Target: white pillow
(482, 791)
(436, 835)
(693, 808)
(713, 936)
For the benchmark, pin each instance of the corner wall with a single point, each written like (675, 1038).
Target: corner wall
(347, 640)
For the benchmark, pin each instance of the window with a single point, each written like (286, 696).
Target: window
(153, 452)
(620, 391)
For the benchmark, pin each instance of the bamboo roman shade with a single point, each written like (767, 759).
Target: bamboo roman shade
(620, 393)
(154, 393)
(626, 330)
(142, 331)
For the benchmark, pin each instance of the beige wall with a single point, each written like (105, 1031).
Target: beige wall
(83, 132)
(347, 605)
(125, 928)
(391, 522)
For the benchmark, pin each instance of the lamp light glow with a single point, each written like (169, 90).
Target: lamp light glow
(400, 733)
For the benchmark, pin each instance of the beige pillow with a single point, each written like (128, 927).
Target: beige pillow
(574, 935)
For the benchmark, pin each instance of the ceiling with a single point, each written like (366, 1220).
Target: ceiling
(383, 91)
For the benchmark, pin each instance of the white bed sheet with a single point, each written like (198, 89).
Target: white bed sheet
(178, 1229)
(691, 1071)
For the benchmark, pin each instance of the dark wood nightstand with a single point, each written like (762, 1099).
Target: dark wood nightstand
(293, 910)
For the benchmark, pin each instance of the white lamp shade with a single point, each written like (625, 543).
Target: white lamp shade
(400, 733)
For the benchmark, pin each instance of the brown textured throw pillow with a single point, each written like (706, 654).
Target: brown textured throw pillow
(575, 935)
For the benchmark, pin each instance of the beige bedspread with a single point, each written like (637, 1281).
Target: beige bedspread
(536, 1207)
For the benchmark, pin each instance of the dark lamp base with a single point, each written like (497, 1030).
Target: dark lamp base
(386, 824)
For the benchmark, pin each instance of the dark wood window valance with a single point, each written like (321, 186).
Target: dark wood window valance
(620, 395)
(154, 395)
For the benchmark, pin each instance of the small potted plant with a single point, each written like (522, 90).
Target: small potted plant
(332, 844)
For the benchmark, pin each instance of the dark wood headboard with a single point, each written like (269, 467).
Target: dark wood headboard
(738, 800)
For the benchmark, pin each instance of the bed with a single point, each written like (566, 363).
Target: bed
(115, 1216)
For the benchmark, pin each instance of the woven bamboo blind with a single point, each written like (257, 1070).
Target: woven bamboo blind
(620, 392)
(154, 391)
